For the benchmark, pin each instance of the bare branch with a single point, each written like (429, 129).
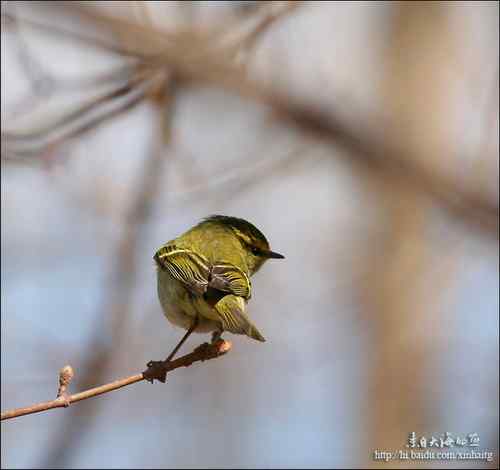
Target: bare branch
(9, 19)
(19, 144)
(262, 20)
(272, 14)
(74, 114)
(202, 353)
(117, 306)
(369, 149)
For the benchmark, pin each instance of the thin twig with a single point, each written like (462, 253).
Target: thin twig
(243, 38)
(274, 12)
(42, 82)
(202, 353)
(9, 18)
(11, 143)
(369, 149)
(118, 303)
(75, 114)
(44, 150)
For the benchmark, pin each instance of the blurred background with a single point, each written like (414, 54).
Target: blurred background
(360, 137)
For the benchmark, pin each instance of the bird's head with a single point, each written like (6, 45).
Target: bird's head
(253, 241)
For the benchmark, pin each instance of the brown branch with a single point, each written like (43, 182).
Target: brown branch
(8, 19)
(272, 14)
(40, 79)
(118, 303)
(75, 114)
(265, 16)
(202, 353)
(44, 151)
(12, 142)
(368, 147)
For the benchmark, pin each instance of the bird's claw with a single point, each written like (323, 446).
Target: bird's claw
(155, 370)
(64, 397)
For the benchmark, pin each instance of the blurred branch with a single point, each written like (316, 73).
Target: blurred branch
(41, 81)
(9, 19)
(265, 16)
(369, 148)
(191, 58)
(234, 182)
(202, 353)
(133, 92)
(73, 115)
(145, 15)
(274, 12)
(45, 150)
(406, 282)
(118, 303)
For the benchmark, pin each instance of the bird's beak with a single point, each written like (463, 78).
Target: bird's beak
(272, 254)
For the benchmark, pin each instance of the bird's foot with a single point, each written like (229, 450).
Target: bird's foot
(155, 370)
(220, 346)
(223, 346)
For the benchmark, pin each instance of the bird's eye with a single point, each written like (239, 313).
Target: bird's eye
(255, 250)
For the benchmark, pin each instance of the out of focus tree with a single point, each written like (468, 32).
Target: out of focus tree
(364, 136)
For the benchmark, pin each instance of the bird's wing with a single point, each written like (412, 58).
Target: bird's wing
(229, 278)
(187, 266)
(231, 310)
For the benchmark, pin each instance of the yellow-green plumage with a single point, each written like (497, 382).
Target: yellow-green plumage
(205, 274)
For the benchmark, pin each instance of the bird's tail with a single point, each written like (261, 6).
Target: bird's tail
(231, 309)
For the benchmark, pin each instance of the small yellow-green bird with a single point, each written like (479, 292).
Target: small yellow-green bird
(204, 276)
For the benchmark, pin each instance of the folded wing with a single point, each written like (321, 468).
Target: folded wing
(229, 278)
(187, 266)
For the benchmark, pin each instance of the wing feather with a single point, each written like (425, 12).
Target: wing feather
(230, 278)
(187, 266)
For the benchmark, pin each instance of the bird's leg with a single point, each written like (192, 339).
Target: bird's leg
(184, 338)
(216, 336)
(156, 368)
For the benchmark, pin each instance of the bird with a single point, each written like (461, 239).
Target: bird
(203, 277)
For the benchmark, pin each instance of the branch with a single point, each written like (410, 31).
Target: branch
(16, 146)
(75, 114)
(267, 15)
(202, 353)
(370, 147)
(119, 299)
(9, 18)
